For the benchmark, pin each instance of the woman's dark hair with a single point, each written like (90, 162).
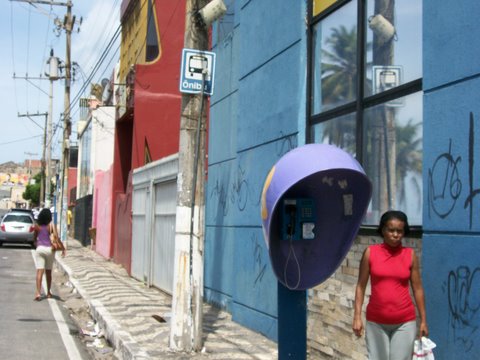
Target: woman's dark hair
(44, 217)
(393, 214)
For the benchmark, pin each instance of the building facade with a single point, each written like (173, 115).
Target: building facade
(95, 158)
(148, 104)
(393, 83)
(451, 223)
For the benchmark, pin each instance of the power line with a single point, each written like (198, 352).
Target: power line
(20, 140)
(103, 31)
(97, 65)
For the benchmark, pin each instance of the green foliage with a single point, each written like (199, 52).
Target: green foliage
(339, 66)
(32, 191)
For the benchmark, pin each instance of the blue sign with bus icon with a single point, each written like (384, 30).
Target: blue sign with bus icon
(197, 67)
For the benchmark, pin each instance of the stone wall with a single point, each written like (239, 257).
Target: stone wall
(331, 304)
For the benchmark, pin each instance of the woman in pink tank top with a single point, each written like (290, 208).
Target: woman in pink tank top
(44, 255)
(391, 318)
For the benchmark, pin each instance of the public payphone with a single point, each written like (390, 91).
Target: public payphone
(313, 203)
(298, 219)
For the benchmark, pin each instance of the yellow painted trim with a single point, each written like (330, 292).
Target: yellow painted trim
(320, 5)
(264, 193)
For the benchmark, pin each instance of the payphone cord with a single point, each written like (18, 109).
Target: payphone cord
(291, 251)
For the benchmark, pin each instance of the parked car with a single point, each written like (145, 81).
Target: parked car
(27, 211)
(17, 227)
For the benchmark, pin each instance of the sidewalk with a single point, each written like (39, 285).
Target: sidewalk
(136, 319)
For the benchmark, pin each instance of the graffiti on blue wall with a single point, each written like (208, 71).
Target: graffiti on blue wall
(463, 286)
(240, 192)
(286, 144)
(220, 192)
(445, 183)
(472, 193)
(260, 265)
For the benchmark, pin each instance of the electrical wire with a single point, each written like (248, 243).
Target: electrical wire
(13, 55)
(100, 61)
(89, 79)
(45, 51)
(28, 42)
(20, 140)
(97, 44)
(97, 65)
(193, 192)
(28, 57)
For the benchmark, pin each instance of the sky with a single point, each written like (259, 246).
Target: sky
(28, 34)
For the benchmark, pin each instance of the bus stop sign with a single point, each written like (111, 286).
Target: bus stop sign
(195, 65)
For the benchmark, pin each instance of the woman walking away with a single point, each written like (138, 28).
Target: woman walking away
(391, 319)
(44, 254)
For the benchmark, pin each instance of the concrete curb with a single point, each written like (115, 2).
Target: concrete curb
(123, 344)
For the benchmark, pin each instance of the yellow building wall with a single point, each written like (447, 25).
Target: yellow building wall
(134, 32)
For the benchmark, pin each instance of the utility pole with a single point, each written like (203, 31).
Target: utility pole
(52, 75)
(187, 301)
(48, 130)
(67, 124)
(43, 172)
(67, 25)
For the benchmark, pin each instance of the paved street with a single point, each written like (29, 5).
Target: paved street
(32, 329)
(135, 319)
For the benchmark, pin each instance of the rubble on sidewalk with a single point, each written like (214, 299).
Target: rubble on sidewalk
(89, 332)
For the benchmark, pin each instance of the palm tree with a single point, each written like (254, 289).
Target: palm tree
(339, 66)
(391, 151)
(409, 157)
(339, 81)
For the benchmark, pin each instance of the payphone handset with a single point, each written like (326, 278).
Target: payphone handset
(298, 219)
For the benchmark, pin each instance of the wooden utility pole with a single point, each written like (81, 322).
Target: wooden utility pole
(43, 172)
(67, 124)
(187, 301)
(384, 136)
(52, 75)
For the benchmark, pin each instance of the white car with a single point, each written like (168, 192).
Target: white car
(17, 227)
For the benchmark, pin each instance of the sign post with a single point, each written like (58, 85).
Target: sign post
(194, 63)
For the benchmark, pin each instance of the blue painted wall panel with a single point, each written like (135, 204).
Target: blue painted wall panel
(452, 158)
(451, 41)
(255, 283)
(262, 323)
(268, 27)
(451, 173)
(218, 271)
(234, 188)
(222, 140)
(270, 100)
(256, 114)
(219, 197)
(226, 67)
(452, 287)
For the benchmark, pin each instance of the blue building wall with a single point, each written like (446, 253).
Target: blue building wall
(257, 114)
(451, 242)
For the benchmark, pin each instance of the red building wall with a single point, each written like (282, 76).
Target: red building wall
(72, 184)
(154, 121)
